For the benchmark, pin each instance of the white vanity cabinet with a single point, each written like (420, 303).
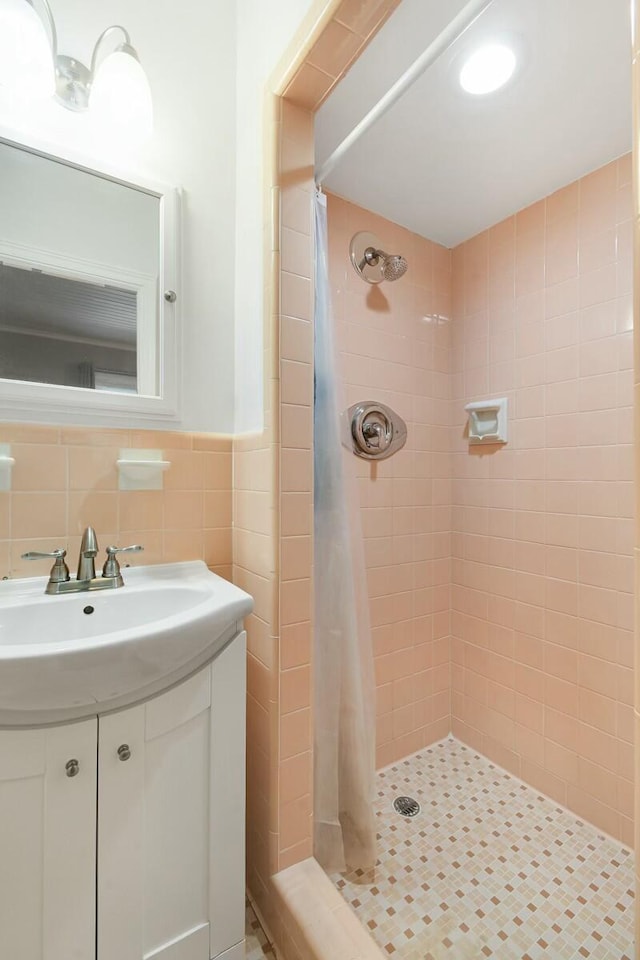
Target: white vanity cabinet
(157, 804)
(171, 819)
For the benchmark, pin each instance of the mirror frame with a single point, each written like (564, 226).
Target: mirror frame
(22, 400)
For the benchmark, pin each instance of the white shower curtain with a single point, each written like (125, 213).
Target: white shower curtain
(344, 690)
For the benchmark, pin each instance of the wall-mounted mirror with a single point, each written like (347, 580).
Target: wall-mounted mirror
(87, 290)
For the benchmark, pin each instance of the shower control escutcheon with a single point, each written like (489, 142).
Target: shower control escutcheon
(371, 262)
(377, 431)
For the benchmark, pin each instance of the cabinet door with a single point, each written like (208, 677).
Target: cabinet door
(227, 878)
(48, 842)
(153, 827)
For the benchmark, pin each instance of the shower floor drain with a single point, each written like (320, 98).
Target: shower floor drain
(406, 806)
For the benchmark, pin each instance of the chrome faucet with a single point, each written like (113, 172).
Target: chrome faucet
(60, 580)
(87, 558)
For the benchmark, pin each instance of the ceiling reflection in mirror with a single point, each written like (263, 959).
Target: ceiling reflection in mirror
(79, 268)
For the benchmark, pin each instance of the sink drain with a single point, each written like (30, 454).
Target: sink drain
(406, 806)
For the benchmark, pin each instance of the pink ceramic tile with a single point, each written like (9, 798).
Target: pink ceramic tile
(92, 468)
(39, 515)
(98, 509)
(561, 250)
(39, 467)
(598, 199)
(563, 203)
(559, 571)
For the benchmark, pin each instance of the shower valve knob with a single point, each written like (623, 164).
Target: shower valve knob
(377, 431)
(374, 433)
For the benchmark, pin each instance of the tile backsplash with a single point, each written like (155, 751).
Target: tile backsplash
(66, 478)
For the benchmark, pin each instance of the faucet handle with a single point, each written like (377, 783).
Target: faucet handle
(59, 570)
(112, 567)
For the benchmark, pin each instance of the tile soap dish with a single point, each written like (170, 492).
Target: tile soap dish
(487, 421)
(141, 469)
(6, 466)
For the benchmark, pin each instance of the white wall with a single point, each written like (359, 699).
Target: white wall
(208, 141)
(188, 52)
(264, 31)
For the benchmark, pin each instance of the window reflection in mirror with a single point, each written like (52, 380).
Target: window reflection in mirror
(79, 266)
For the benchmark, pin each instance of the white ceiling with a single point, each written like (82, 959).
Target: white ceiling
(40, 303)
(446, 164)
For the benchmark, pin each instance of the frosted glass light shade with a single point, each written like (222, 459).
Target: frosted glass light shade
(120, 100)
(487, 69)
(26, 62)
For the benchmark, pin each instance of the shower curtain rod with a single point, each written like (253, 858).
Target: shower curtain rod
(454, 29)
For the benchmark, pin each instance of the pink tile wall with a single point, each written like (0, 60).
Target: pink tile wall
(273, 521)
(635, 74)
(391, 352)
(349, 27)
(65, 478)
(542, 570)
(295, 337)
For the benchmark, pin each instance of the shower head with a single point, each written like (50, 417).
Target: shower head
(372, 263)
(393, 267)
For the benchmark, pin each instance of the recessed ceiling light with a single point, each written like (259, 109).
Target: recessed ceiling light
(487, 69)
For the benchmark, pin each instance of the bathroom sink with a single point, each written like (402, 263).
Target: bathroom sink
(75, 655)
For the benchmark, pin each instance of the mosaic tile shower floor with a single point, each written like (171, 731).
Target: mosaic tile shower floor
(257, 945)
(489, 868)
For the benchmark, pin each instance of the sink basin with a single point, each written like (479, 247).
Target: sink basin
(75, 655)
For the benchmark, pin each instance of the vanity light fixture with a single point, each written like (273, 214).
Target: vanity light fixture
(487, 69)
(114, 88)
(26, 67)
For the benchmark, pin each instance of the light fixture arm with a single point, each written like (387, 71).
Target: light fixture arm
(74, 80)
(48, 17)
(103, 36)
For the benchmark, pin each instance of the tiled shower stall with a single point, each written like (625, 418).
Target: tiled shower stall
(501, 578)
(500, 583)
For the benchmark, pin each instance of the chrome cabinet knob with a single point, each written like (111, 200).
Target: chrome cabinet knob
(72, 768)
(124, 751)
